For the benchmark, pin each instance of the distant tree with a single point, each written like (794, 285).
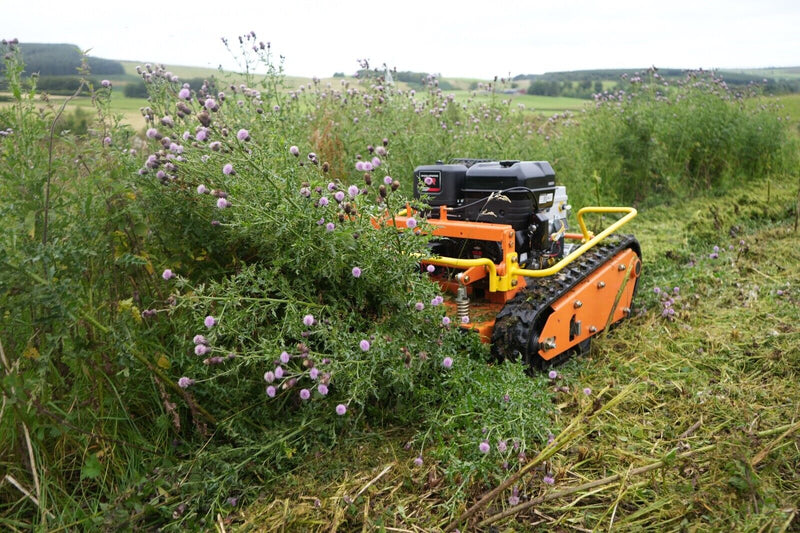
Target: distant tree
(338, 74)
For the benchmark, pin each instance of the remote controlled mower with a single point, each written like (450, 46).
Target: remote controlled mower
(535, 291)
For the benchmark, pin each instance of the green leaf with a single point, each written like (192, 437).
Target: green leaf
(91, 468)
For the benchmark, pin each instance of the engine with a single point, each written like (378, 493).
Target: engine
(521, 194)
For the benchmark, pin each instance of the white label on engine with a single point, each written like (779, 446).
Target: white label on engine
(545, 198)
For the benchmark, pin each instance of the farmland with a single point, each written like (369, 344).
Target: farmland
(194, 339)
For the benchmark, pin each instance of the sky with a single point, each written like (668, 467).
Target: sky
(468, 38)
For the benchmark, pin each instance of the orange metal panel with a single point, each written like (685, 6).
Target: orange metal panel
(589, 306)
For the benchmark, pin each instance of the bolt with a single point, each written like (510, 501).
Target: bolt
(578, 304)
(592, 329)
(514, 283)
(622, 267)
(549, 344)
(466, 279)
(601, 284)
(627, 311)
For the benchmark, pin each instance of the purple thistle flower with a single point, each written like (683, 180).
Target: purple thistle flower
(305, 394)
(322, 202)
(447, 362)
(210, 103)
(271, 391)
(331, 186)
(201, 189)
(243, 135)
(714, 255)
(269, 376)
(376, 162)
(548, 479)
(587, 391)
(431, 269)
(216, 145)
(360, 166)
(367, 166)
(201, 349)
(322, 389)
(550, 438)
(184, 94)
(341, 409)
(201, 134)
(105, 83)
(339, 196)
(437, 300)
(185, 382)
(167, 274)
(210, 321)
(387, 180)
(352, 191)
(381, 151)
(445, 321)
(285, 357)
(227, 169)
(313, 373)
(364, 344)
(222, 203)
(356, 272)
(411, 223)
(294, 150)
(657, 290)
(419, 306)
(199, 339)
(330, 226)
(552, 374)
(107, 141)
(716, 249)
(418, 460)
(305, 191)
(465, 320)
(151, 133)
(514, 498)
(484, 447)
(502, 446)
(308, 320)
(279, 372)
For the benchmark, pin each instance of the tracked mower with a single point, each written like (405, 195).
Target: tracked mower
(514, 273)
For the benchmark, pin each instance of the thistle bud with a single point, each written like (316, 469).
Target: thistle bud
(326, 166)
(368, 178)
(204, 119)
(395, 185)
(370, 148)
(347, 208)
(382, 191)
(341, 217)
(385, 141)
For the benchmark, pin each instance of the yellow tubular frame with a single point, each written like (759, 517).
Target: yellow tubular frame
(506, 281)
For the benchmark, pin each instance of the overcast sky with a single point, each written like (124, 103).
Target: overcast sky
(466, 38)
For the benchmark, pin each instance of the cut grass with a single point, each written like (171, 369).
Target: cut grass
(722, 378)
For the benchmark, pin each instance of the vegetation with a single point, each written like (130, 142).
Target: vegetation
(220, 310)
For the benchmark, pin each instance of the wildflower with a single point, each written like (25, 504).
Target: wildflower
(676, 290)
(185, 382)
(411, 223)
(210, 321)
(210, 104)
(356, 272)
(167, 274)
(587, 391)
(308, 320)
(279, 372)
(341, 409)
(216, 145)
(339, 196)
(222, 203)
(360, 166)
(151, 133)
(514, 498)
(484, 447)
(552, 374)
(201, 189)
(713, 255)
(227, 169)
(243, 135)
(376, 162)
(232, 501)
(506, 398)
(105, 83)
(364, 344)
(465, 320)
(199, 339)
(352, 191)
(387, 180)
(502, 446)
(418, 460)
(381, 151)
(284, 357)
(200, 349)
(445, 321)
(716, 249)
(305, 394)
(271, 391)
(657, 290)
(166, 120)
(305, 191)
(330, 226)
(437, 300)
(431, 269)
(313, 373)
(269, 376)
(294, 150)
(447, 362)
(549, 479)
(550, 438)
(419, 306)
(184, 94)
(322, 389)
(107, 141)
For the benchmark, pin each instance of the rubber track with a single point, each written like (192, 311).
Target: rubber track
(517, 326)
